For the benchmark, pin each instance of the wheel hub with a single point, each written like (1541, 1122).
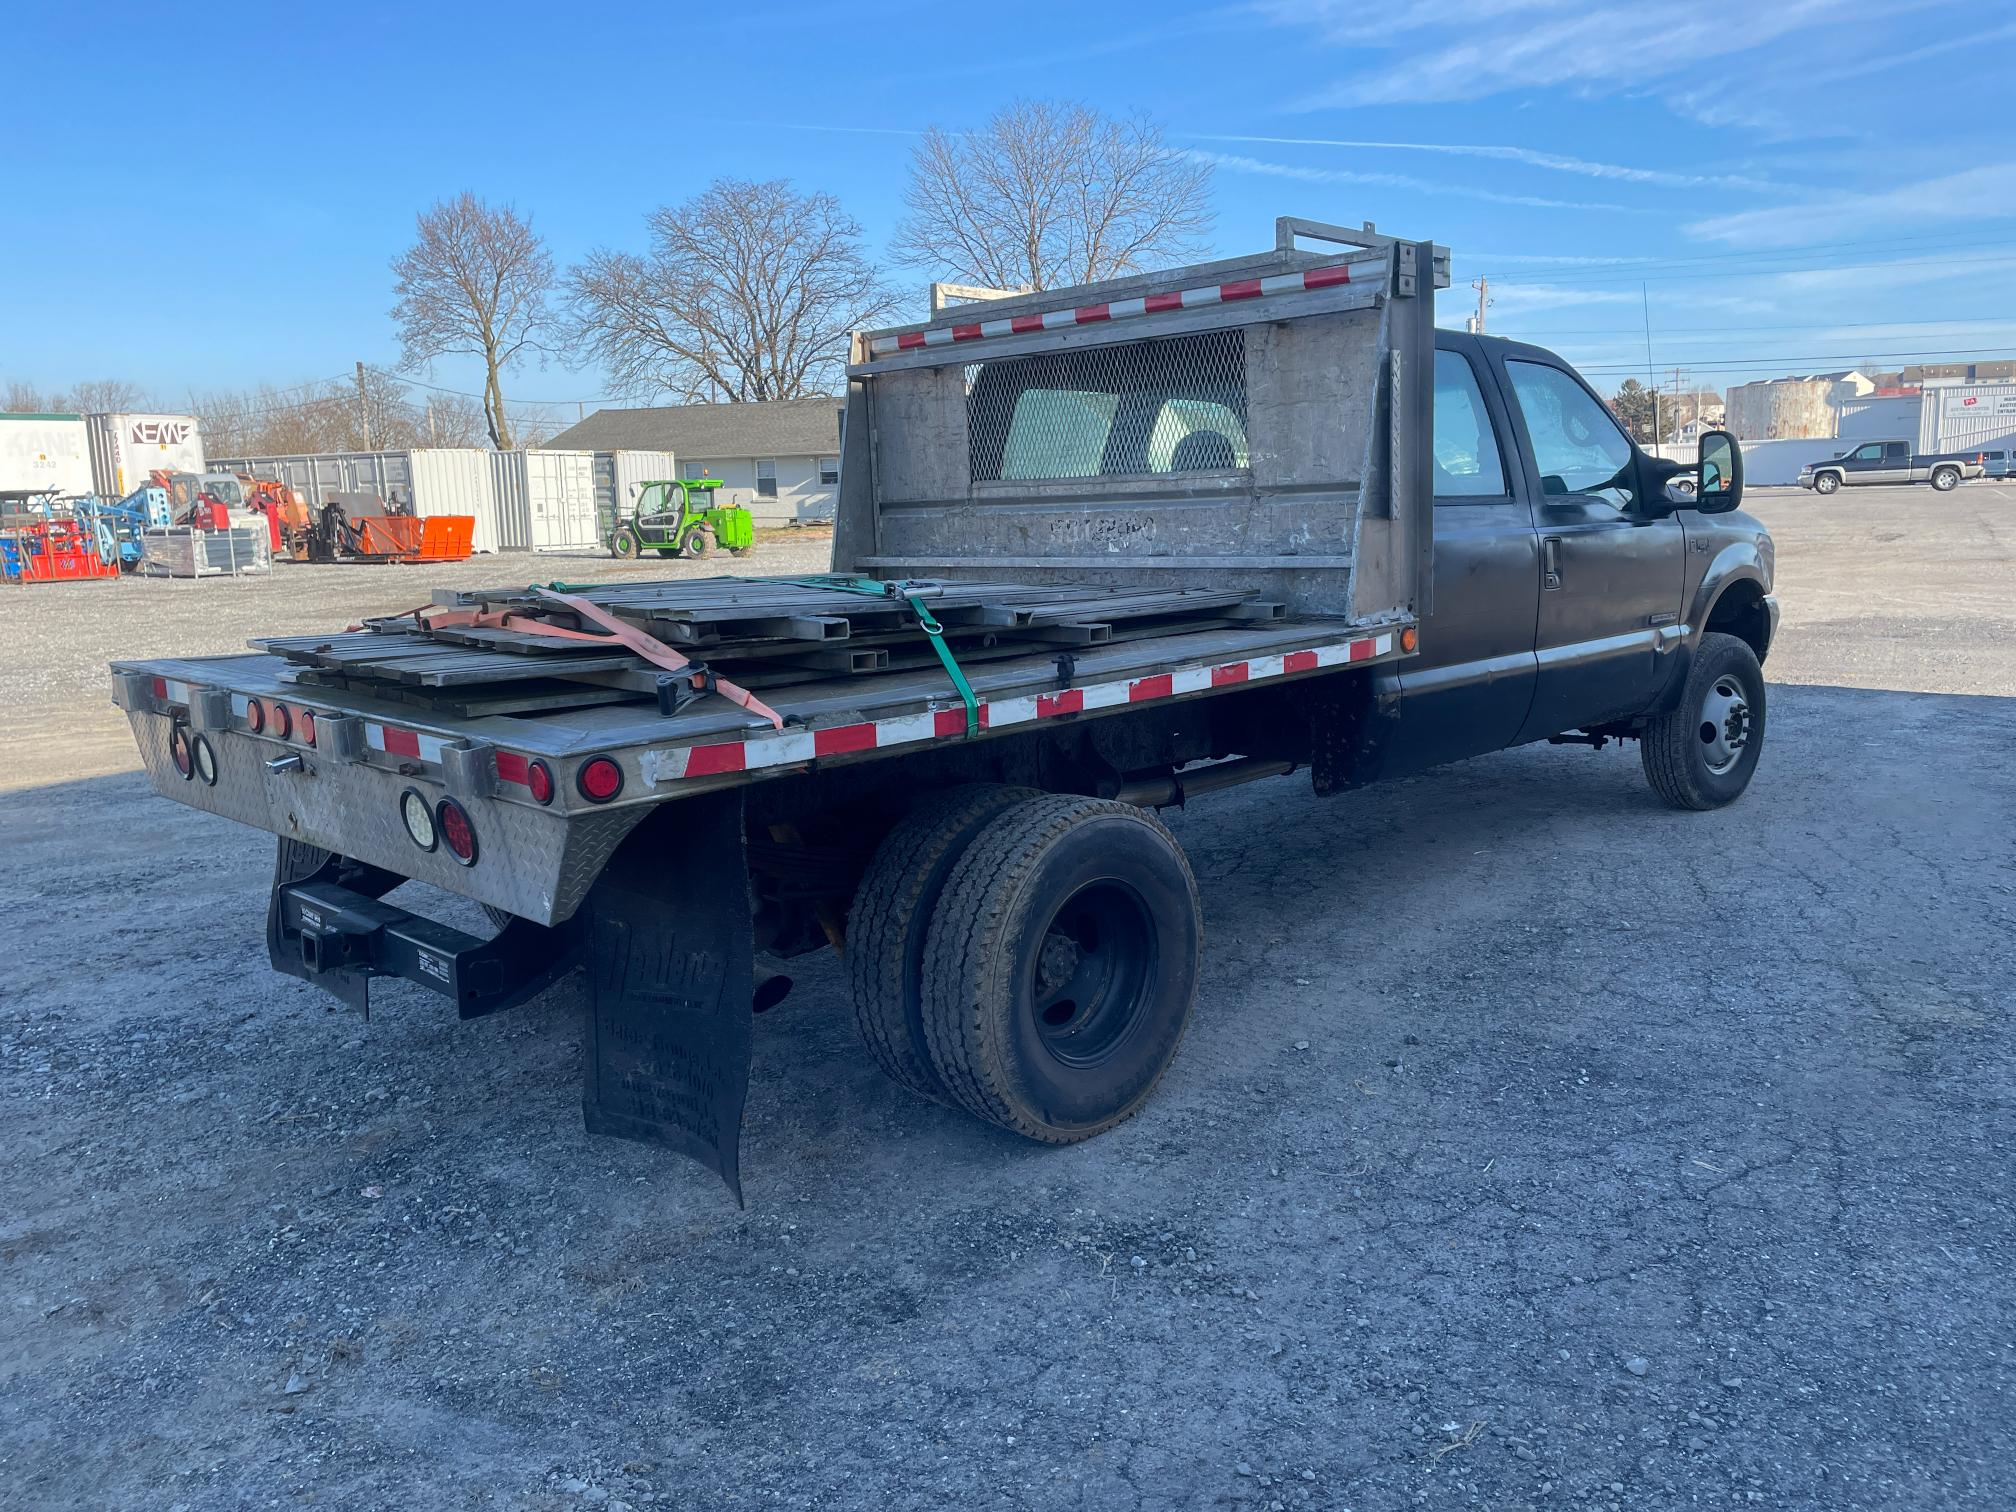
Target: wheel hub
(1092, 978)
(1724, 725)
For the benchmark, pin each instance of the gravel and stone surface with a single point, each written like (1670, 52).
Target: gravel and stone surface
(1533, 1146)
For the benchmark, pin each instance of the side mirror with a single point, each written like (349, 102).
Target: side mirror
(1721, 473)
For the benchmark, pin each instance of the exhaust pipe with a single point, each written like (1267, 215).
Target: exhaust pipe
(1176, 787)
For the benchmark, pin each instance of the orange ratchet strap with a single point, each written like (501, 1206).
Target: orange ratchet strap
(629, 636)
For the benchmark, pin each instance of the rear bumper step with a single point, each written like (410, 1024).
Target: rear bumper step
(339, 940)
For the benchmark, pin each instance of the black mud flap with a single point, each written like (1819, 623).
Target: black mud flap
(671, 955)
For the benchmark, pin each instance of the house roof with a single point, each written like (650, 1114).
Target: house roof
(779, 428)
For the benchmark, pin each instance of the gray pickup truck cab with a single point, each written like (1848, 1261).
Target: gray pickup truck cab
(1890, 462)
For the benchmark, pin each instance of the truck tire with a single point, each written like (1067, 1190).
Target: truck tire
(1702, 755)
(1062, 966)
(1945, 479)
(1826, 482)
(697, 543)
(890, 919)
(624, 545)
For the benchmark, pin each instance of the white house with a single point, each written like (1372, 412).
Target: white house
(780, 459)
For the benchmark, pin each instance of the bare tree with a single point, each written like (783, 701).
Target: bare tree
(24, 399)
(107, 396)
(332, 416)
(747, 292)
(475, 281)
(1050, 193)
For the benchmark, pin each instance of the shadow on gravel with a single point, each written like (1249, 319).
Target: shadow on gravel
(1531, 1141)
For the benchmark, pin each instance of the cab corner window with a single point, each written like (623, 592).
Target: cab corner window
(1577, 445)
(1467, 461)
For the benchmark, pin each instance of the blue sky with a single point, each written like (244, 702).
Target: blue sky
(207, 197)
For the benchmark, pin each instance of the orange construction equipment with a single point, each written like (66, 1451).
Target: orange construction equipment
(361, 527)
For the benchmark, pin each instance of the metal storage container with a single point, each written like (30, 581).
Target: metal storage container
(126, 448)
(552, 493)
(434, 480)
(44, 454)
(618, 476)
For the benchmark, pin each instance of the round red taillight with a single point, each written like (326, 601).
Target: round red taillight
(179, 751)
(283, 722)
(539, 781)
(599, 779)
(457, 833)
(308, 727)
(255, 715)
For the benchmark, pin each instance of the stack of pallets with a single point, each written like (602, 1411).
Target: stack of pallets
(757, 632)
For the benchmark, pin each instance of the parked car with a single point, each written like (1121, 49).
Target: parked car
(1890, 462)
(1999, 464)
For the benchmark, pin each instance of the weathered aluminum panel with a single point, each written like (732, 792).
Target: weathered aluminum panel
(125, 448)
(536, 863)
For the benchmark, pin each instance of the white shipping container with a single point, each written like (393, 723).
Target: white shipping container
(44, 454)
(620, 475)
(444, 480)
(554, 494)
(126, 448)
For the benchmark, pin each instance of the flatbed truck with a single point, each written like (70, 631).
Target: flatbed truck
(1424, 546)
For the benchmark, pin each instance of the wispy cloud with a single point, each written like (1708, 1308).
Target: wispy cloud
(1235, 163)
(1974, 194)
(1667, 178)
(1604, 48)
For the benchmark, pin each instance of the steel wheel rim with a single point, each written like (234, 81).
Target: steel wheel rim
(1093, 976)
(1724, 725)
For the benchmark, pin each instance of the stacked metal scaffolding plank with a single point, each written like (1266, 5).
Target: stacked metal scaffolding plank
(758, 632)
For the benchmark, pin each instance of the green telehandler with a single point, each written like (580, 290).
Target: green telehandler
(678, 517)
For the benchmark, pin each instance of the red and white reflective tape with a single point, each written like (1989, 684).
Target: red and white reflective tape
(168, 690)
(411, 744)
(1328, 276)
(680, 763)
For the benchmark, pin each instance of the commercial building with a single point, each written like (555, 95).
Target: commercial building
(780, 460)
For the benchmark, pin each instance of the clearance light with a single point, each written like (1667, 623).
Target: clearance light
(457, 833)
(205, 760)
(539, 781)
(179, 752)
(283, 722)
(308, 727)
(599, 779)
(255, 715)
(419, 820)
(1409, 639)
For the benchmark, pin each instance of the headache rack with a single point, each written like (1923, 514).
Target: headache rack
(1239, 421)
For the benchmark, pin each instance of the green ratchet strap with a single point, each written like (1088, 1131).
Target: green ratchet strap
(925, 619)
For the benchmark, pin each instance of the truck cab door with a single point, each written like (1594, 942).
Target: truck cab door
(1612, 574)
(1896, 465)
(1864, 464)
(1468, 689)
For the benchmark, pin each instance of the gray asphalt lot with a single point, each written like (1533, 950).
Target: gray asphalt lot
(1533, 1146)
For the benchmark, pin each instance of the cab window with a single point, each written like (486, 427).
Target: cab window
(1577, 444)
(1873, 452)
(1467, 463)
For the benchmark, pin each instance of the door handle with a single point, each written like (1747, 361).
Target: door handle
(1550, 562)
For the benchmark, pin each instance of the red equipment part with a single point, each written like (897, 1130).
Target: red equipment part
(53, 551)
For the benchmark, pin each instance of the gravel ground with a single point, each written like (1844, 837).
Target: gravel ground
(1533, 1146)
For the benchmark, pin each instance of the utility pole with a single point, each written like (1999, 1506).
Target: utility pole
(432, 440)
(1651, 377)
(364, 409)
(1483, 288)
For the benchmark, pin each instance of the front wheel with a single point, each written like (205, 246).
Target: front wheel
(1826, 483)
(624, 545)
(1702, 755)
(1945, 479)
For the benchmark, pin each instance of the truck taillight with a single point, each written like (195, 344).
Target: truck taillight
(255, 715)
(308, 727)
(419, 820)
(599, 779)
(179, 751)
(283, 722)
(457, 833)
(539, 781)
